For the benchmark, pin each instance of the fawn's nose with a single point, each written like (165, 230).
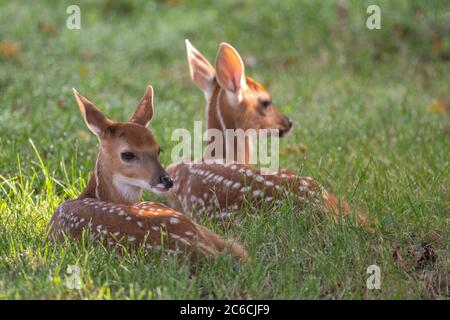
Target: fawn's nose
(286, 128)
(166, 181)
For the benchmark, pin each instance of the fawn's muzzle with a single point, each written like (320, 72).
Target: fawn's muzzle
(285, 129)
(166, 181)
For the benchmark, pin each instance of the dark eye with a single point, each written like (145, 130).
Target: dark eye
(266, 103)
(127, 156)
(160, 150)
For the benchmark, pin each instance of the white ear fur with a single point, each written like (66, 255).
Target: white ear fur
(202, 72)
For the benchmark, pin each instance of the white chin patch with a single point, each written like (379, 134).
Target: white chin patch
(159, 189)
(129, 188)
(132, 188)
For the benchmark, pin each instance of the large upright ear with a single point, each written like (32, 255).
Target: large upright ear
(230, 69)
(202, 72)
(144, 109)
(94, 118)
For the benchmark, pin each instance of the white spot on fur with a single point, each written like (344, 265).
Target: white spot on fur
(174, 220)
(258, 193)
(236, 185)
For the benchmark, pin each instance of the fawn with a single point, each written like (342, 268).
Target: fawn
(109, 206)
(236, 101)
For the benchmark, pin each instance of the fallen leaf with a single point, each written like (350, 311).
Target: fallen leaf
(47, 27)
(303, 148)
(9, 49)
(436, 43)
(294, 149)
(61, 103)
(442, 105)
(422, 254)
(399, 259)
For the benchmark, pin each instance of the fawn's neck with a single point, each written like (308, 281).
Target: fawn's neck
(104, 187)
(218, 118)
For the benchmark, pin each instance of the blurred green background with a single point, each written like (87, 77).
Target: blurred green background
(317, 58)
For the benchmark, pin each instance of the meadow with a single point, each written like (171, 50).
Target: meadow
(370, 111)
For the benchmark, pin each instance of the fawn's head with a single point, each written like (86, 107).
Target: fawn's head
(235, 101)
(129, 153)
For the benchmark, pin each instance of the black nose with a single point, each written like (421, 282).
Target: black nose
(287, 126)
(166, 181)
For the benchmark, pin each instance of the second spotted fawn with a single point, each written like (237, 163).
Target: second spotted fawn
(110, 208)
(219, 188)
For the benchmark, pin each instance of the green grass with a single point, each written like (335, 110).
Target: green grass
(360, 101)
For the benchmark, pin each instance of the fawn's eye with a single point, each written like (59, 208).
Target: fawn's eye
(127, 156)
(266, 103)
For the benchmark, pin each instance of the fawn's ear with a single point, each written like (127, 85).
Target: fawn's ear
(202, 72)
(94, 118)
(230, 69)
(144, 109)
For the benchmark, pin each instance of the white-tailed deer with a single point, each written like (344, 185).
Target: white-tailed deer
(236, 101)
(109, 206)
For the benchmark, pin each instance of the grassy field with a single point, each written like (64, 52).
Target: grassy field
(367, 117)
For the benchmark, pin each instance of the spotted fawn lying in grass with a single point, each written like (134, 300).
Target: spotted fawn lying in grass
(109, 207)
(218, 187)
